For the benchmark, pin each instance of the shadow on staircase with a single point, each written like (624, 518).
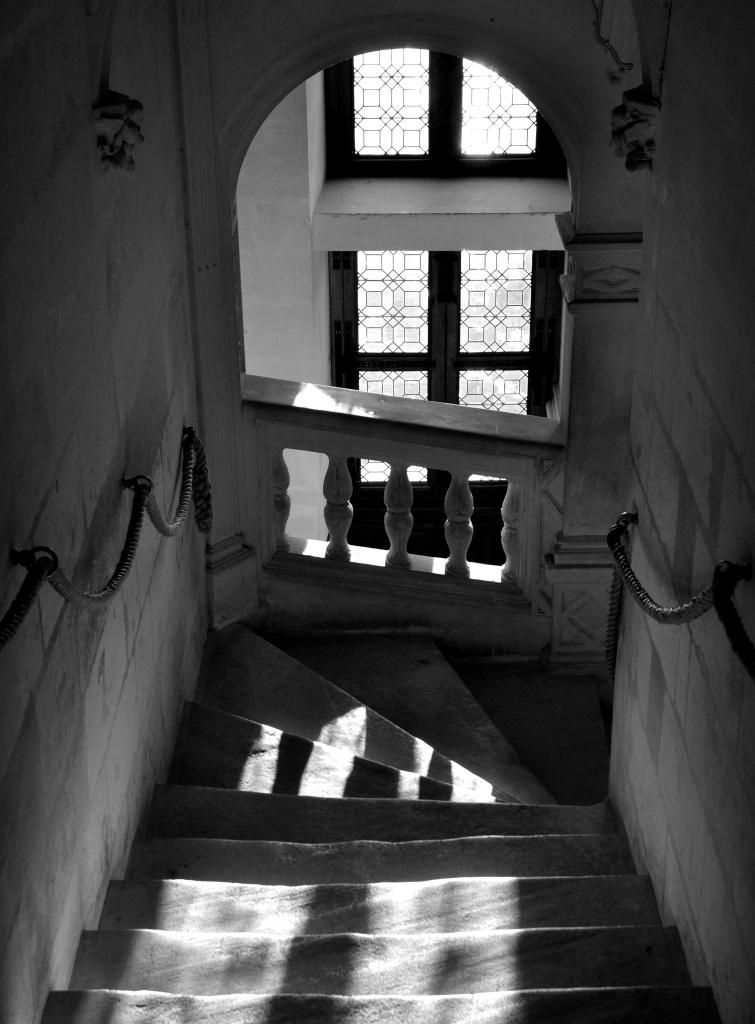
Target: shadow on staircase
(313, 859)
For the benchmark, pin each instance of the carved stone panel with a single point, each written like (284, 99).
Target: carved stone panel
(580, 608)
(596, 273)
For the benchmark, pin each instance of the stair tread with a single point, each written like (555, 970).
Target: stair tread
(431, 703)
(219, 749)
(247, 676)
(204, 811)
(438, 905)
(212, 963)
(617, 1005)
(371, 860)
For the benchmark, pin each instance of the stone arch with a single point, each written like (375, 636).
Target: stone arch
(293, 67)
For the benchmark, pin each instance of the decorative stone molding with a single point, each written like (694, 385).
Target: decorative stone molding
(633, 125)
(227, 552)
(602, 270)
(117, 120)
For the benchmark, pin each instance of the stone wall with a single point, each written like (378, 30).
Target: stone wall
(97, 379)
(284, 281)
(683, 751)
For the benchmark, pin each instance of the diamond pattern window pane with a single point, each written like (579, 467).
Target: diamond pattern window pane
(391, 102)
(496, 118)
(496, 295)
(401, 384)
(373, 472)
(500, 390)
(392, 301)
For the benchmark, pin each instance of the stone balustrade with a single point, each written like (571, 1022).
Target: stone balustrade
(344, 424)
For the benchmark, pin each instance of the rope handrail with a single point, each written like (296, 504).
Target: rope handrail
(726, 575)
(41, 563)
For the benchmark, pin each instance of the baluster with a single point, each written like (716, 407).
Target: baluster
(338, 513)
(459, 507)
(399, 498)
(281, 501)
(510, 511)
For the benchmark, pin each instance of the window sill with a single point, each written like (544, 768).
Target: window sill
(428, 213)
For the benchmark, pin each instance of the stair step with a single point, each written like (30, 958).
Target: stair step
(443, 905)
(667, 1005)
(430, 703)
(229, 814)
(362, 861)
(223, 750)
(356, 964)
(249, 677)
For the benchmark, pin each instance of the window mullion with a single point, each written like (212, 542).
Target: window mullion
(344, 318)
(545, 328)
(445, 110)
(444, 282)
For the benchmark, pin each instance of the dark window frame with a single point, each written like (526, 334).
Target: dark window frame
(443, 359)
(444, 159)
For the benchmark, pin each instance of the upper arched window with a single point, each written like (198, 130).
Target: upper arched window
(410, 111)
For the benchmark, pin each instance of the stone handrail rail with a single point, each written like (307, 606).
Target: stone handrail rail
(341, 423)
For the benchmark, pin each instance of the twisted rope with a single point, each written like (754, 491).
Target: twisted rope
(692, 609)
(719, 595)
(615, 594)
(201, 489)
(195, 486)
(170, 529)
(142, 488)
(37, 571)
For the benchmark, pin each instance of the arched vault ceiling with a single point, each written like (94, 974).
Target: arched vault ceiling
(260, 49)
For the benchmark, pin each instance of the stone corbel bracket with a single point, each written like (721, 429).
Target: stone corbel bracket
(599, 271)
(633, 127)
(118, 120)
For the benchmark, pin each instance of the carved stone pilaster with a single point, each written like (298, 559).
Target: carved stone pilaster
(550, 505)
(398, 520)
(338, 513)
(579, 570)
(458, 530)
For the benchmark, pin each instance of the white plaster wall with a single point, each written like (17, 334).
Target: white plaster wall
(683, 771)
(97, 380)
(284, 281)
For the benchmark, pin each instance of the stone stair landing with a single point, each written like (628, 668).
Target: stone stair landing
(432, 701)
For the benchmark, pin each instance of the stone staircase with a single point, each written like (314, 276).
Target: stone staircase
(310, 860)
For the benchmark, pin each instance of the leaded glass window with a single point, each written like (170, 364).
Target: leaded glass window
(392, 103)
(499, 390)
(474, 327)
(397, 383)
(496, 298)
(422, 113)
(392, 301)
(496, 118)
